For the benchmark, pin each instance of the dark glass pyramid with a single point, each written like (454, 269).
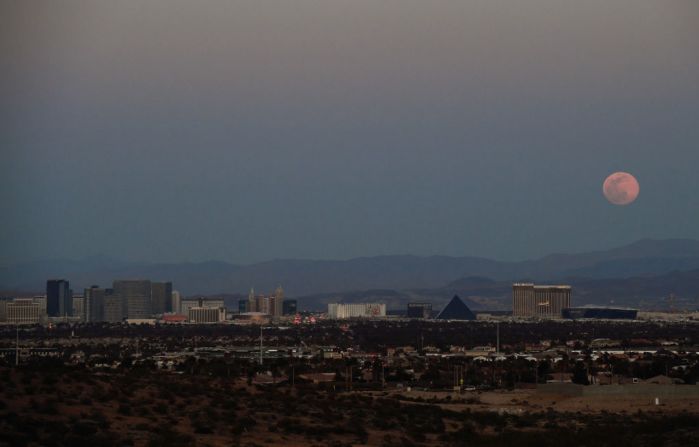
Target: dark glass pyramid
(456, 310)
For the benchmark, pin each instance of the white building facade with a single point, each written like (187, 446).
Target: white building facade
(356, 310)
(24, 311)
(206, 314)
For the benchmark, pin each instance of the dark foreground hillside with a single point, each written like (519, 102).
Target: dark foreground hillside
(59, 406)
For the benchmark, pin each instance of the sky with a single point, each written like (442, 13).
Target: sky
(171, 130)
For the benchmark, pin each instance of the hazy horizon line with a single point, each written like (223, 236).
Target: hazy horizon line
(103, 256)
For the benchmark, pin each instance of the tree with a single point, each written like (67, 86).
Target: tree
(580, 374)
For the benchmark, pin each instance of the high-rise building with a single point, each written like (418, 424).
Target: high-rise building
(161, 297)
(242, 306)
(137, 296)
(94, 304)
(289, 307)
(79, 306)
(540, 301)
(114, 307)
(262, 304)
(59, 302)
(252, 303)
(356, 310)
(277, 302)
(419, 310)
(176, 302)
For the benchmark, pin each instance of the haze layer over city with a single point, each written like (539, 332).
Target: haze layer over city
(345, 223)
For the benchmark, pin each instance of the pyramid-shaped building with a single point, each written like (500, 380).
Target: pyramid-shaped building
(456, 310)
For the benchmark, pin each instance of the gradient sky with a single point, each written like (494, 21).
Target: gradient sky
(251, 130)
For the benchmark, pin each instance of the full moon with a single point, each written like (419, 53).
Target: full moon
(621, 188)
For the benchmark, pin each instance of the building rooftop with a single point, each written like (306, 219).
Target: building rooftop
(541, 286)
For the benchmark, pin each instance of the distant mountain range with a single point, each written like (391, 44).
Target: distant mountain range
(644, 270)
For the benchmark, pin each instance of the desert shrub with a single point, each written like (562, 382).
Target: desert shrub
(48, 407)
(160, 408)
(416, 433)
(202, 428)
(124, 409)
(85, 428)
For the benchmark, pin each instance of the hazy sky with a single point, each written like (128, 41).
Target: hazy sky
(250, 130)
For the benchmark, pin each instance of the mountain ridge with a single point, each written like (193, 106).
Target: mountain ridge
(401, 272)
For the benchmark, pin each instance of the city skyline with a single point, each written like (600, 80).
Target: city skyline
(350, 222)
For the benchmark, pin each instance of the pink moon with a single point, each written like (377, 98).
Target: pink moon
(621, 188)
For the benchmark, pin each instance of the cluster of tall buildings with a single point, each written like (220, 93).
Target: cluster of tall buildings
(274, 305)
(131, 299)
(134, 300)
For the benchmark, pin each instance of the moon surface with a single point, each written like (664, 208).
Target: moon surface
(621, 188)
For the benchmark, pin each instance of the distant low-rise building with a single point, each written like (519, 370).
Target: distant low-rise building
(24, 311)
(251, 318)
(322, 377)
(611, 313)
(207, 314)
(148, 321)
(200, 302)
(419, 310)
(174, 318)
(356, 310)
